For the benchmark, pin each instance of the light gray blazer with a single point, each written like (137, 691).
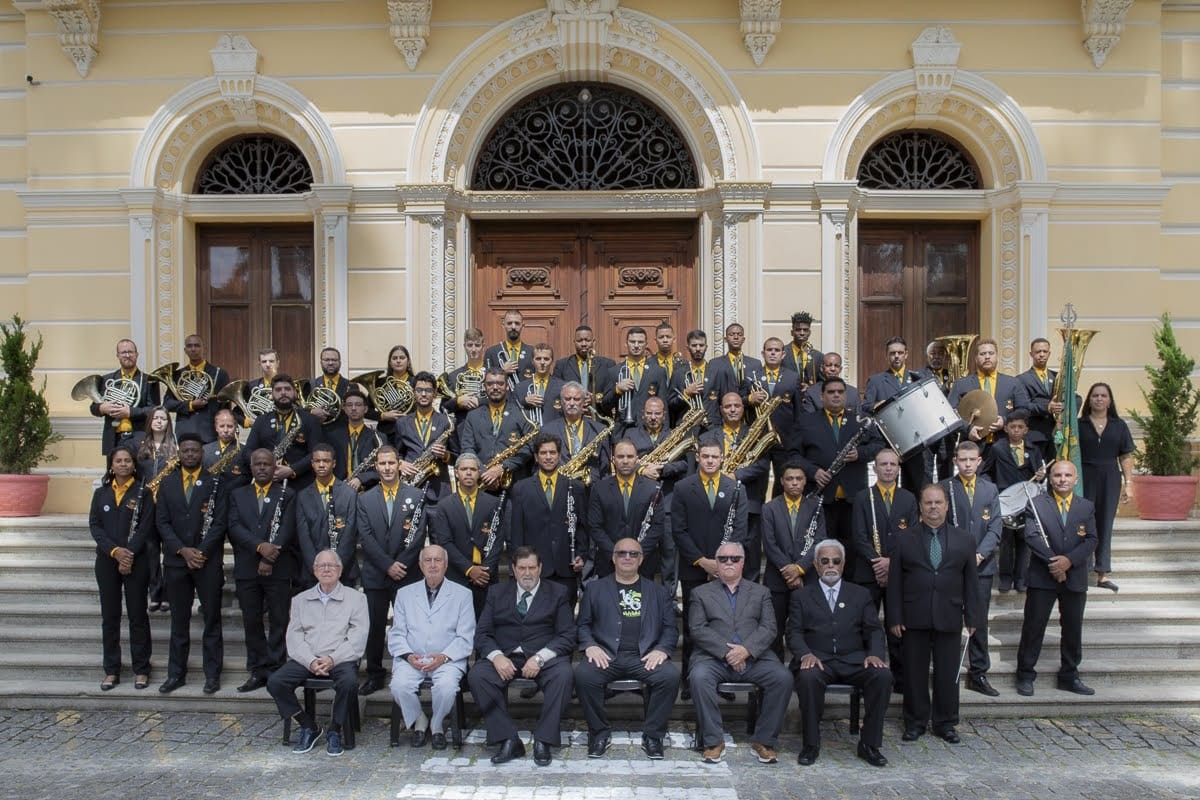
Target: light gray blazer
(447, 627)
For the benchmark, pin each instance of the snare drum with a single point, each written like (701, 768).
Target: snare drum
(1015, 499)
(917, 417)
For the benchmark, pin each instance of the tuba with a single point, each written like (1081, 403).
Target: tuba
(253, 402)
(97, 389)
(387, 393)
(1078, 340)
(958, 354)
(317, 395)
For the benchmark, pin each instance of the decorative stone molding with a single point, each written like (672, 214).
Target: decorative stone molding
(1103, 24)
(935, 61)
(640, 276)
(235, 65)
(760, 25)
(1010, 290)
(410, 27)
(527, 276)
(78, 23)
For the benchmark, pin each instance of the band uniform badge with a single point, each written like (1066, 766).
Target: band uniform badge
(903, 523)
(1008, 404)
(653, 390)
(557, 405)
(712, 395)
(1082, 530)
(512, 437)
(987, 514)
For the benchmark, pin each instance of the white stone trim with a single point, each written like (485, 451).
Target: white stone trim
(409, 29)
(759, 26)
(1103, 25)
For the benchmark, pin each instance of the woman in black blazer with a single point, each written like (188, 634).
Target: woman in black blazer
(120, 521)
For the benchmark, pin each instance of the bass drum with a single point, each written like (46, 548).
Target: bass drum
(917, 417)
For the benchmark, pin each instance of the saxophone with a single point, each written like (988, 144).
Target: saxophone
(284, 443)
(426, 463)
(168, 468)
(759, 438)
(508, 453)
(677, 442)
(577, 466)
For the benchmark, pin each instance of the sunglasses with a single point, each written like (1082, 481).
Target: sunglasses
(831, 561)
(729, 559)
(628, 553)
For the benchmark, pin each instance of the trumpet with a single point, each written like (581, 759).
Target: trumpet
(503, 361)
(388, 394)
(190, 384)
(121, 391)
(625, 403)
(695, 401)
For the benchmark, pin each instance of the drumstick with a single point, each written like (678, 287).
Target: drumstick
(963, 658)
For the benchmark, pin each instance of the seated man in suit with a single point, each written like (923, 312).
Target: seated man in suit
(1060, 530)
(325, 639)
(733, 626)
(433, 631)
(526, 629)
(626, 630)
(835, 637)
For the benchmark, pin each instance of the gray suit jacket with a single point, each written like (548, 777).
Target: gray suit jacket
(446, 627)
(713, 621)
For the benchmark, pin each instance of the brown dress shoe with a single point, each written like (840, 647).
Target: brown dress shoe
(766, 755)
(714, 754)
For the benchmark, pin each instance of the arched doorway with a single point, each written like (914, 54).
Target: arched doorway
(255, 282)
(609, 274)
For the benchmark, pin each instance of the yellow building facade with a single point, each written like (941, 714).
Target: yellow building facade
(1080, 121)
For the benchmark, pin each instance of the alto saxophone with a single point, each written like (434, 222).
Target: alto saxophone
(284, 443)
(167, 469)
(507, 453)
(677, 442)
(426, 463)
(577, 466)
(759, 438)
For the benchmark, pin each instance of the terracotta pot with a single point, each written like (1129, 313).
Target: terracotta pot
(23, 495)
(1164, 497)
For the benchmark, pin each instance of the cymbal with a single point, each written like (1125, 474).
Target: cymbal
(978, 408)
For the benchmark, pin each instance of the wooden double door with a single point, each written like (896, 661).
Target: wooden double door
(611, 276)
(915, 280)
(254, 291)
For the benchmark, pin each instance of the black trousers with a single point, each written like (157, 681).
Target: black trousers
(379, 603)
(1014, 557)
(153, 555)
(839, 524)
(491, 694)
(688, 586)
(571, 584)
(895, 654)
(1038, 605)
(918, 647)
(112, 585)
(876, 686)
(182, 585)
(662, 684)
(284, 681)
(272, 597)
(978, 660)
(753, 545)
(668, 563)
(779, 604)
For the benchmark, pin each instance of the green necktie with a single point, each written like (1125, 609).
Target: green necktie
(710, 487)
(970, 489)
(886, 494)
(352, 455)
(987, 385)
(625, 496)
(390, 502)
(523, 606)
(935, 551)
(793, 510)
(548, 483)
(1063, 509)
(188, 483)
(469, 507)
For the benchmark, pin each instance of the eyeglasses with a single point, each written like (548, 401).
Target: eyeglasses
(627, 553)
(325, 566)
(831, 560)
(422, 390)
(729, 559)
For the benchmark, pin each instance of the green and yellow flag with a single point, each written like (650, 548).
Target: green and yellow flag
(1066, 438)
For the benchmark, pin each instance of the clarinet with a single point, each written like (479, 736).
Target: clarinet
(274, 534)
(415, 522)
(650, 513)
(208, 509)
(137, 513)
(727, 533)
(810, 534)
(493, 527)
(331, 522)
(368, 461)
(571, 520)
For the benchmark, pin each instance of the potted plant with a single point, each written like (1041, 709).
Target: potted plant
(1164, 486)
(25, 432)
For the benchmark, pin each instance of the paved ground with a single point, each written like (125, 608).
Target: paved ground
(66, 755)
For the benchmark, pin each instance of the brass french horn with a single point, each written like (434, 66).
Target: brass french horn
(387, 393)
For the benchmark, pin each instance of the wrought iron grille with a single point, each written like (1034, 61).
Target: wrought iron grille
(917, 160)
(255, 165)
(585, 137)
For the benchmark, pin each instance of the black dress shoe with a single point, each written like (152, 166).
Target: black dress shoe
(808, 756)
(419, 738)
(212, 685)
(652, 747)
(1107, 584)
(1024, 687)
(110, 682)
(369, 686)
(1076, 687)
(871, 755)
(1020, 587)
(171, 684)
(439, 741)
(541, 753)
(911, 734)
(948, 735)
(509, 749)
(980, 683)
(1005, 587)
(252, 683)
(598, 745)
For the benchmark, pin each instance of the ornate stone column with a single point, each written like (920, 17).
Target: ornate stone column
(837, 261)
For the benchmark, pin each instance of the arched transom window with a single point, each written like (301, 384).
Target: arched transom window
(584, 137)
(918, 160)
(255, 164)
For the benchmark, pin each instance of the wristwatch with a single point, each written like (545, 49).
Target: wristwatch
(541, 662)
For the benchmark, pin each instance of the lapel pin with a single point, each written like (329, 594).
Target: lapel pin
(841, 604)
(720, 494)
(106, 508)
(266, 500)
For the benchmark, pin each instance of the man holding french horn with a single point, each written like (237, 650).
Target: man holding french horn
(124, 397)
(192, 391)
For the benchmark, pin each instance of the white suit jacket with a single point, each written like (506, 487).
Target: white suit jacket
(447, 627)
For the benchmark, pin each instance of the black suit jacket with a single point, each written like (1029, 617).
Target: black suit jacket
(248, 529)
(845, 635)
(410, 447)
(339, 439)
(535, 524)
(449, 528)
(343, 386)
(812, 401)
(475, 436)
(784, 544)
(201, 422)
(608, 522)
(312, 530)
(1010, 393)
(179, 521)
(698, 527)
(884, 385)
(980, 519)
(1001, 467)
(716, 385)
(1040, 395)
(491, 360)
(147, 400)
(890, 527)
(547, 624)
(810, 371)
(654, 384)
(923, 598)
(600, 464)
(384, 543)
(266, 432)
(816, 447)
(726, 377)
(551, 406)
(567, 369)
(1076, 540)
(600, 618)
(110, 523)
(235, 473)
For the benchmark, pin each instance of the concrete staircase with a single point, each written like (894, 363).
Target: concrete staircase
(1141, 646)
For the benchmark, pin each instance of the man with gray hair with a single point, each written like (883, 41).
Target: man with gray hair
(433, 630)
(469, 524)
(835, 637)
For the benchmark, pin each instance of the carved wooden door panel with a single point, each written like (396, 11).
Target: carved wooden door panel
(611, 276)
